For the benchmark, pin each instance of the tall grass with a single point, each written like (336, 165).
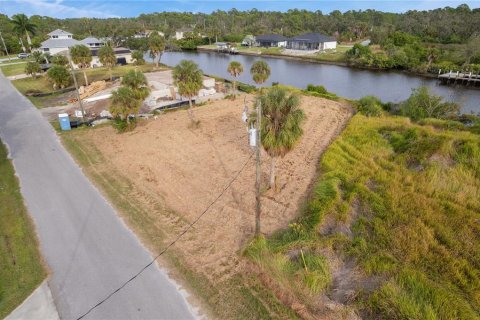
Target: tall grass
(416, 225)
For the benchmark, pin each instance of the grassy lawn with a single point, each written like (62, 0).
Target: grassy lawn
(239, 297)
(13, 69)
(337, 56)
(41, 84)
(21, 268)
(401, 203)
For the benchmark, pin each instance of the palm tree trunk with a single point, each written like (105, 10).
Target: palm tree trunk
(85, 76)
(234, 88)
(272, 173)
(29, 41)
(111, 74)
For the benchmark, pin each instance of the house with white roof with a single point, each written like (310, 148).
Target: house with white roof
(59, 41)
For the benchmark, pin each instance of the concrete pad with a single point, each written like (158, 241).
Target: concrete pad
(39, 305)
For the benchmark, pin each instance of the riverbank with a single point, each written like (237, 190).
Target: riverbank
(320, 61)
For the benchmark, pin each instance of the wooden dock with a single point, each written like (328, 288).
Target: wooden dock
(459, 77)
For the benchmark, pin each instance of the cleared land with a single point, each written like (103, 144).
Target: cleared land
(21, 268)
(165, 173)
(392, 227)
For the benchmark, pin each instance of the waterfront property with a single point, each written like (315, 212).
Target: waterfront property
(271, 40)
(312, 42)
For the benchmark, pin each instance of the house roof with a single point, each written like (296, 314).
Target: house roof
(119, 50)
(59, 43)
(271, 37)
(91, 40)
(313, 38)
(59, 32)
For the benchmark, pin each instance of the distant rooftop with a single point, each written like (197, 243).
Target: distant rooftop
(91, 40)
(59, 43)
(271, 37)
(59, 32)
(313, 38)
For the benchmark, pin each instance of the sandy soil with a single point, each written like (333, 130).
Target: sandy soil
(188, 167)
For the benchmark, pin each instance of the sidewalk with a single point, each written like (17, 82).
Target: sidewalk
(39, 305)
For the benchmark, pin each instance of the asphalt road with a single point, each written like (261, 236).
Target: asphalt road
(88, 248)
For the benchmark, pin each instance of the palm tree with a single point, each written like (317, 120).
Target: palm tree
(189, 80)
(260, 72)
(124, 103)
(137, 82)
(156, 45)
(281, 124)
(235, 68)
(21, 24)
(82, 57)
(107, 58)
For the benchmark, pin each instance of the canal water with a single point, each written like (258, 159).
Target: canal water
(344, 81)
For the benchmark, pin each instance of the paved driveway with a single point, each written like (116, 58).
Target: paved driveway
(88, 248)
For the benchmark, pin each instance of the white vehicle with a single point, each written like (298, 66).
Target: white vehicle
(23, 55)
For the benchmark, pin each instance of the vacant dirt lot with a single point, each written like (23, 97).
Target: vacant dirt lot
(186, 168)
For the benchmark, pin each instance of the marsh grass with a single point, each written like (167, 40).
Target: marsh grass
(417, 228)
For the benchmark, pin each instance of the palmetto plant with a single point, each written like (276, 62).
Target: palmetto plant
(281, 124)
(107, 58)
(124, 103)
(189, 80)
(137, 82)
(22, 24)
(82, 57)
(235, 68)
(260, 72)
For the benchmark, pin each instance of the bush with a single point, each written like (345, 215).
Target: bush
(32, 68)
(122, 125)
(137, 55)
(423, 104)
(60, 60)
(58, 76)
(317, 89)
(246, 87)
(369, 106)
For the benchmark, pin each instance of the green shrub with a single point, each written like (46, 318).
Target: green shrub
(246, 87)
(32, 68)
(369, 106)
(317, 89)
(423, 104)
(59, 76)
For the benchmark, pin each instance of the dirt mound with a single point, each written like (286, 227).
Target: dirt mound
(187, 168)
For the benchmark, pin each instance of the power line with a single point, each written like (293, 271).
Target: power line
(171, 244)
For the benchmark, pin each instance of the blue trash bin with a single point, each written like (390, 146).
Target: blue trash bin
(64, 121)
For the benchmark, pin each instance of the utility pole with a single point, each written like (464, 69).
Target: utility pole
(76, 86)
(6, 51)
(258, 169)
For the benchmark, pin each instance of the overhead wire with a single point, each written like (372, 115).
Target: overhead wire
(180, 235)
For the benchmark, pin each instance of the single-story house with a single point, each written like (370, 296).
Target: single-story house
(270, 40)
(146, 34)
(248, 41)
(312, 41)
(180, 34)
(123, 55)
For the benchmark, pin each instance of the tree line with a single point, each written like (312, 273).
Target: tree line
(444, 25)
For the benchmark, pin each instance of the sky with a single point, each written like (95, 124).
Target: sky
(133, 8)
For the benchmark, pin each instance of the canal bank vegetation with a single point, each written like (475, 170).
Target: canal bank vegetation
(21, 266)
(379, 233)
(404, 51)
